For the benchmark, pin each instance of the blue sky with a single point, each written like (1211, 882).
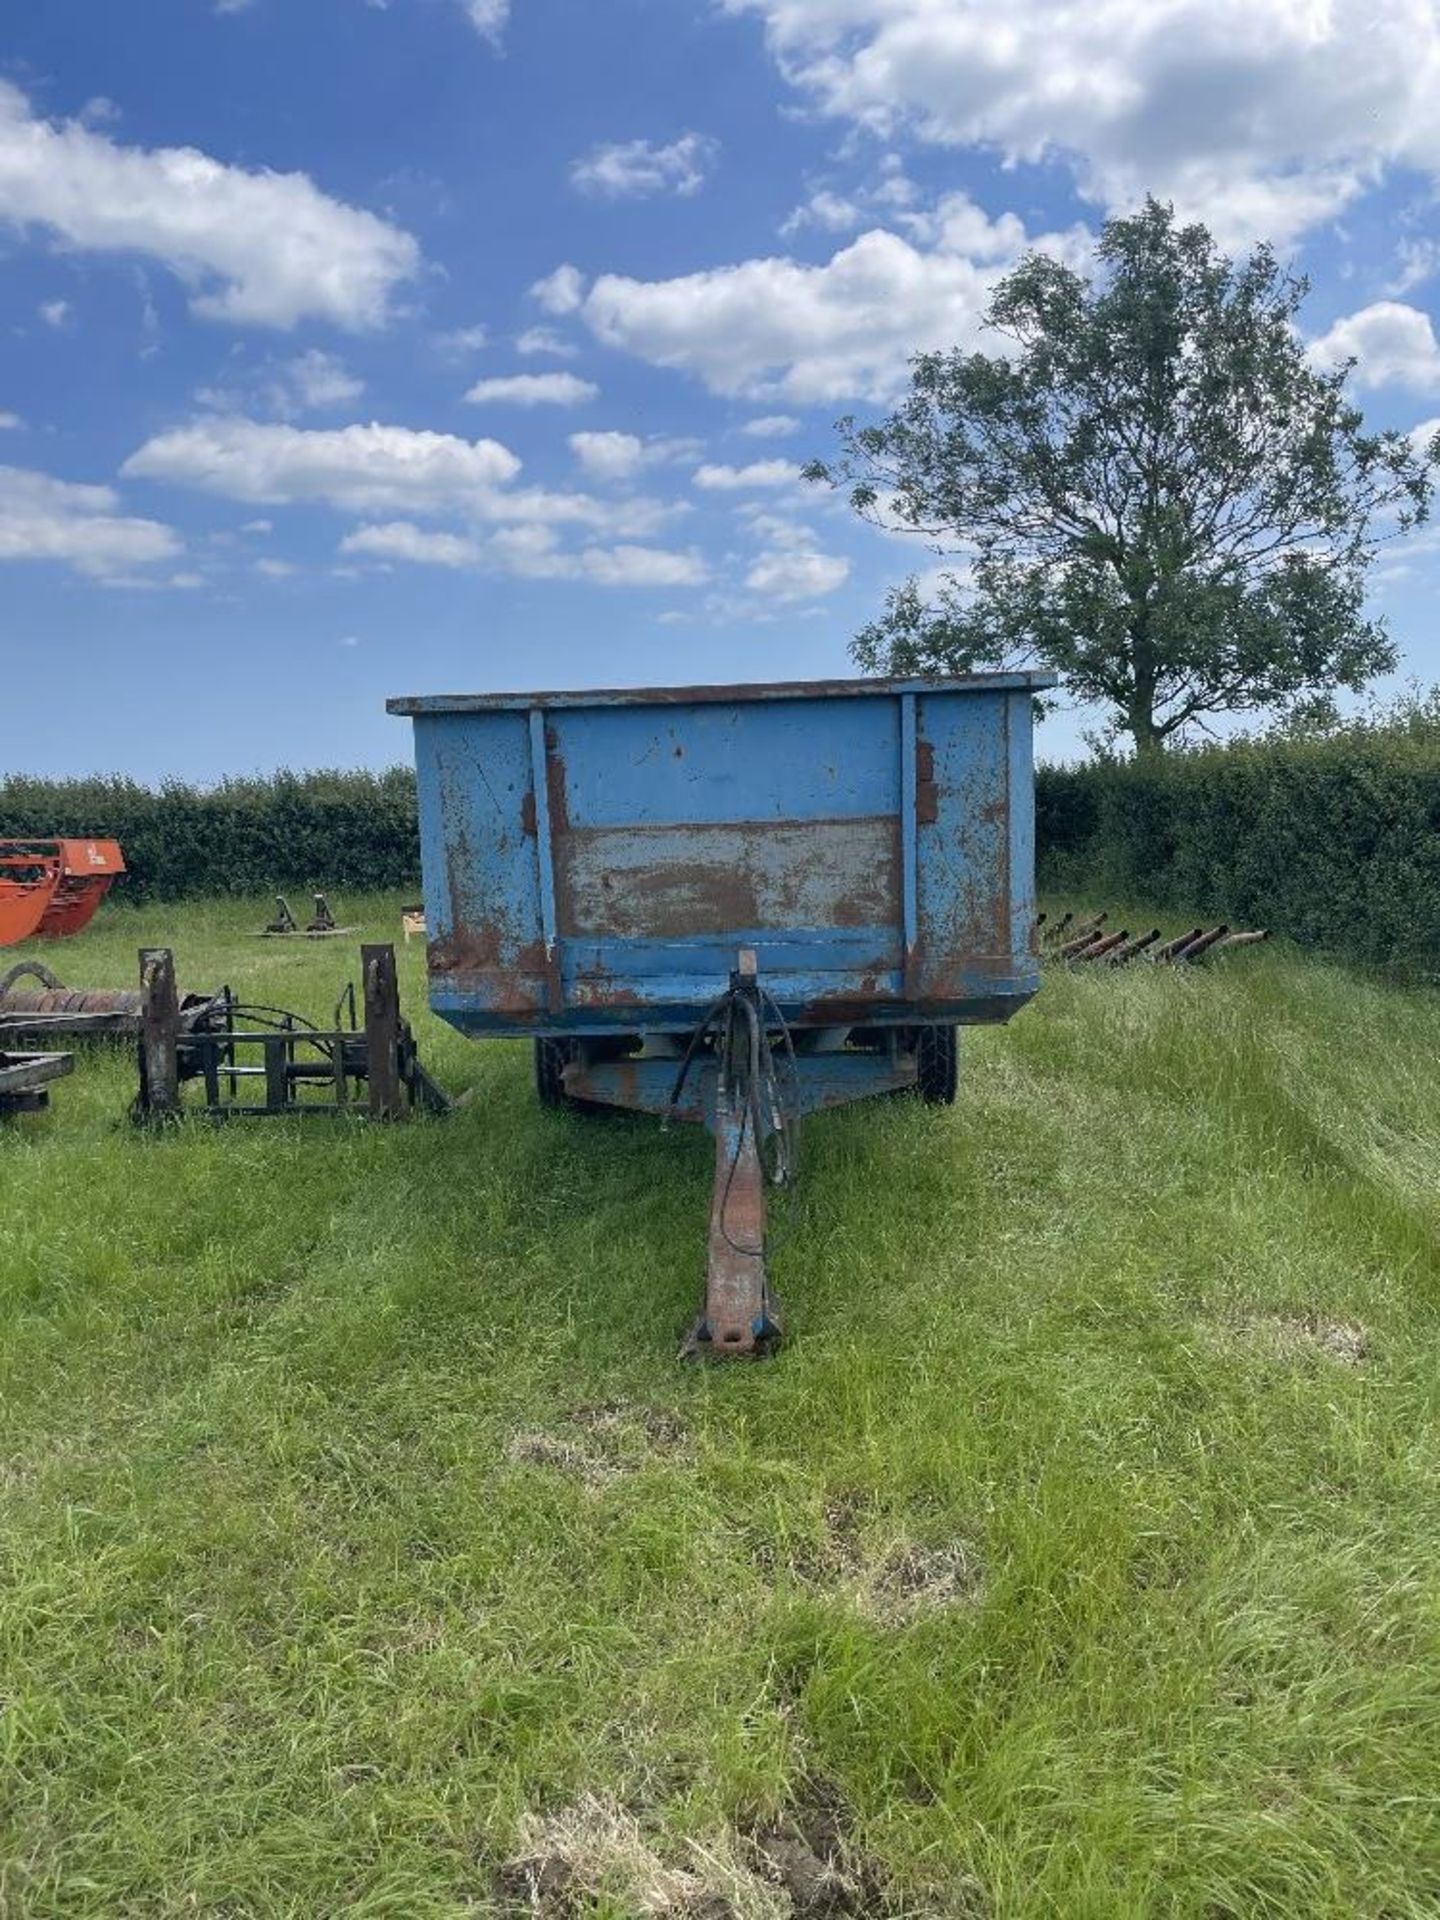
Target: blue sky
(357, 349)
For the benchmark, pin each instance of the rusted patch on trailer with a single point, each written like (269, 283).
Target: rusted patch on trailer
(555, 785)
(927, 797)
(527, 814)
(680, 882)
(466, 950)
(595, 988)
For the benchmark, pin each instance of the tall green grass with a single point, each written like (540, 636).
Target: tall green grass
(354, 1507)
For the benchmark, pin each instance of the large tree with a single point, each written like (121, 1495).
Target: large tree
(1150, 488)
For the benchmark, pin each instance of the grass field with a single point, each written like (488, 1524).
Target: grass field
(366, 1550)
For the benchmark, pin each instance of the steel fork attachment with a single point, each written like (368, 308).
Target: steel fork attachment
(739, 1320)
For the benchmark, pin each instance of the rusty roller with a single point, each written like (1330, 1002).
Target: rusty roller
(50, 1007)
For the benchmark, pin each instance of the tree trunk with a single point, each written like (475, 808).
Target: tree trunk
(1140, 712)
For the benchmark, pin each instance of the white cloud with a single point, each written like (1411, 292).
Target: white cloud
(258, 526)
(888, 192)
(311, 382)
(153, 582)
(54, 312)
(10, 422)
(560, 292)
(608, 456)
(845, 329)
(544, 340)
(276, 569)
(320, 380)
(402, 540)
(628, 566)
(463, 340)
(771, 426)
(1416, 262)
(533, 390)
(379, 469)
(829, 211)
(42, 518)
(531, 552)
(1262, 116)
(488, 17)
(620, 456)
(631, 516)
(359, 467)
(760, 473)
(259, 249)
(636, 169)
(798, 574)
(791, 566)
(1391, 344)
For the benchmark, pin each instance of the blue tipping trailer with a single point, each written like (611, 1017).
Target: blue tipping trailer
(733, 904)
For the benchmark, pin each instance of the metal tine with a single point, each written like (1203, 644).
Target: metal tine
(1123, 955)
(1168, 952)
(1083, 938)
(1083, 949)
(1053, 934)
(1242, 939)
(1197, 949)
(1072, 928)
(1106, 944)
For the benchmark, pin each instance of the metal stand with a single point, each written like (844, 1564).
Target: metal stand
(285, 926)
(739, 1319)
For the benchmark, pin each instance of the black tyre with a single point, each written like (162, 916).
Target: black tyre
(551, 1059)
(937, 1053)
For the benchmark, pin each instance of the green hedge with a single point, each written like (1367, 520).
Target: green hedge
(294, 832)
(1334, 841)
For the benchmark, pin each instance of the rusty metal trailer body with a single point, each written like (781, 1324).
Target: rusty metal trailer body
(855, 859)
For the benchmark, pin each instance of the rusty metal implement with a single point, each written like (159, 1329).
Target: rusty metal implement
(257, 1062)
(52, 888)
(733, 905)
(25, 1080)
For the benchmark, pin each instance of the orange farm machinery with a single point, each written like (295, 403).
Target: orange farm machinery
(51, 888)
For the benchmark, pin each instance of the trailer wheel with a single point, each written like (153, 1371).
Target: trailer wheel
(937, 1054)
(551, 1059)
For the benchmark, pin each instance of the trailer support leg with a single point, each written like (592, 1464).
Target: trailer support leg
(738, 1321)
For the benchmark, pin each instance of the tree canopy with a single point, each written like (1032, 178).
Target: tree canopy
(1150, 489)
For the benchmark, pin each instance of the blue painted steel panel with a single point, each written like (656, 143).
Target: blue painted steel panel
(594, 861)
(718, 762)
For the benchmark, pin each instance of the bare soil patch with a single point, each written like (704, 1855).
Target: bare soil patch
(1302, 1336)
(600, 1444)
(890, 1576)
(803, 1866)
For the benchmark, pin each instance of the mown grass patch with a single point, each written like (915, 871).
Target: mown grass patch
(366, 1548)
